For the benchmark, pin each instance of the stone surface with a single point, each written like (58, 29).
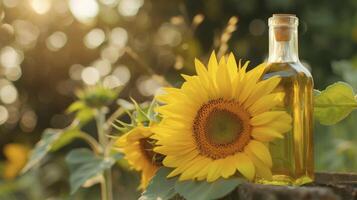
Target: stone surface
(327, 186)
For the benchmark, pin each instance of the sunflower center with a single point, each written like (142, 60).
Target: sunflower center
(147, 145)
(221, 128)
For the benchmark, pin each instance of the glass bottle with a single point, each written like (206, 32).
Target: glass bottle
(293, 162)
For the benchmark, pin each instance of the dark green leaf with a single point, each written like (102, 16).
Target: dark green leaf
(202, 190)
(335, 103)
(42, 147)
(83, 165)
(160, 187)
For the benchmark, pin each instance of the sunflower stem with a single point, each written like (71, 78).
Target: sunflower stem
(106, 184)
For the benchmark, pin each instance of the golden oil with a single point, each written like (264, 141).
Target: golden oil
(293, 162)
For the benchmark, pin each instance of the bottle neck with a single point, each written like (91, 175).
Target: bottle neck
(283, 44)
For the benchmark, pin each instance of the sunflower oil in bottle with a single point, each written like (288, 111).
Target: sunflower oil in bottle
(293, 155)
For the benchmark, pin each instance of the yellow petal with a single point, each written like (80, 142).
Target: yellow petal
(182, 167)
(228, 168)
(174, 161)
(212, 66)
(266, 103)
(261, 89)
(202, 174)
(265, 134)
(232, 66)
(223, 81)
(255, 74)
(261, 169)
(214, 171)
(244, 165)
(266, 117)
(261, 152)
(194, 168)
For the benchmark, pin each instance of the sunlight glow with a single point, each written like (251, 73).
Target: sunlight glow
(111, 82)
(122, 73)
(8, 94)
(104, 67)
(129, 8)
(119, 37)
(13, 73)
(4, 114)
(84, 10)
(90, 75)
(11, 3)
(41, 6)
(56, 41)
(94, 38)
(9, 57)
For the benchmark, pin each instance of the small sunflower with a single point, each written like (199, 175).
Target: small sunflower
(219, 122)
(16, 155)
(138, 149)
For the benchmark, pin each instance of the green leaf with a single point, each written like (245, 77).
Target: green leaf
(139, 114)
(75, 106)
(202, 190)
(65, 138)
(98, 96)
(160, 187)
(151, 113)
(83, 165)
(85, 115)
(51, 140)
(335, 103)
(42, 147)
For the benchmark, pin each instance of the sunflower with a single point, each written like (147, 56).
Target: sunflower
(138, 149)
(16, 155)
(220, 121)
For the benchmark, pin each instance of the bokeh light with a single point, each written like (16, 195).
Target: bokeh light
(75, 72)
(168, 35)
(111, 53)
(41, 6)
(9, 57)
(103, 66)
(94, 38)
(110, 3)
(28, 121)
(111, 81)
(13, 74)
(129, 8)
(56, 41)
(8, 94)
(90, 75)
(257, 27)
(148, 86)
(11, 3)
(4, 114)
(122, 73)
(84, 10)
(26, 33)
(118, 37)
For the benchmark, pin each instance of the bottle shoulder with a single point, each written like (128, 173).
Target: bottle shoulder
(287, 69)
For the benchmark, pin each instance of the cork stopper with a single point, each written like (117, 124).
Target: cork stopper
(283, 25)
